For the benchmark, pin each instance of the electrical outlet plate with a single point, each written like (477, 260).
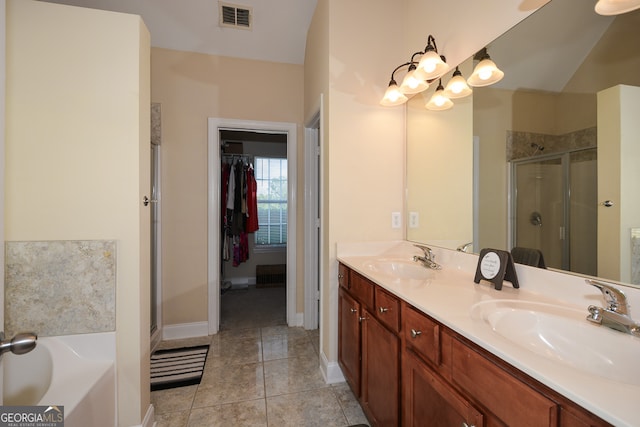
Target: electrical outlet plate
(396, 221)
(414, 219)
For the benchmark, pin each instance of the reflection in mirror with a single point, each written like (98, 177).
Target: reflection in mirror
(564, 67)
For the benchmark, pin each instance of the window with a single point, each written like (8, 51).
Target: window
(271, 179)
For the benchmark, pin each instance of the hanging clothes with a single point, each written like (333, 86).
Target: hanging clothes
(240, 209)
(252, 201)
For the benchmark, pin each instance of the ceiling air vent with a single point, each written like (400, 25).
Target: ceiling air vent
(235, 16)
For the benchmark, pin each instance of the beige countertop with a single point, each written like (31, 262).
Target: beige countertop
(449, 295)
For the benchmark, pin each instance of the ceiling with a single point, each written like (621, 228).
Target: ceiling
(278, 34)
(542, 52)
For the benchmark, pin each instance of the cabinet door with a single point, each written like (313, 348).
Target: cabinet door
(508, 398)
(349, 339)
(429, 400)
(380, 372)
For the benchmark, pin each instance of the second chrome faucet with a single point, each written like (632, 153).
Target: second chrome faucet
(616, 313)
(428, 260)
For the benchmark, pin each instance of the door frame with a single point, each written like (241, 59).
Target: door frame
(313, 242)
(215, 125)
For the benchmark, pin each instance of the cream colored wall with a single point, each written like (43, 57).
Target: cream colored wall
(363, 153)
(77, 154)
(440, 170)
(618, 178)
(191, 88)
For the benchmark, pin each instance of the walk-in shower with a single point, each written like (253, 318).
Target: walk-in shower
(554, 208)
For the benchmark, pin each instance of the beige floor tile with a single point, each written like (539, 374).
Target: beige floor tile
(173, 399)
(349, 404)
(309, 409)
(284, 346)
(284, 376)
(270, 331)
(250, 413)
(172, 419)
(227, 384)
(234, 352)
(237, 334)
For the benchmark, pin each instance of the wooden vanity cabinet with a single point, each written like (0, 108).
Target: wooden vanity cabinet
(349, 339)
(369, 346)
(380, 372)
(408, 369)
(428, 400)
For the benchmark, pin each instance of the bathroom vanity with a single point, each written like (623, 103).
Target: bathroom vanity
(424, 347)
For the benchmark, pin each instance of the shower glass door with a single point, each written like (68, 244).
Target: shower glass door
(554, 209)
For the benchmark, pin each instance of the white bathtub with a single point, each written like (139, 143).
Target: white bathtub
(75, 371)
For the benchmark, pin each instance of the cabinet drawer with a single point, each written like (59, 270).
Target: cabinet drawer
(511, 400)
(421, 334)
(343, 276)
(362, 289)
(387, 309)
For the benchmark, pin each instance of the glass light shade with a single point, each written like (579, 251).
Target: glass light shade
(439, 101)
(393, 96)
(431, 66)
(413, 84)
(616, 7)
(486, 73)
(457, 87)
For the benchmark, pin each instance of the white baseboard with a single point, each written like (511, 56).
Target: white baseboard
(330, 370)
(298, 320)
(185, 330)
(149, 418)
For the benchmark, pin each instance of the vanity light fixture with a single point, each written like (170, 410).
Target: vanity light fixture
(457, 86)
(412, 83)
(439, 100)
(432, 65)
(394, 96)
(486, 72)
(616, 7)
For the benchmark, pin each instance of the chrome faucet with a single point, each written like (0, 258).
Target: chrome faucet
(616, 315)
(21, 343)
(465, 247)
(428, 260)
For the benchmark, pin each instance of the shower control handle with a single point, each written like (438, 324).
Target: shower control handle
(21, 343)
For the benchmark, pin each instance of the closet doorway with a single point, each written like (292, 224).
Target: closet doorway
(241, 259)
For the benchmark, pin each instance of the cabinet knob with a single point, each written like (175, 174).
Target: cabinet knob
(354, 310)
(415, 333)
(361, 318)
(383, 310)
(467, 425)
(340, 276)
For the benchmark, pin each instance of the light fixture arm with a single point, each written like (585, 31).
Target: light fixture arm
(481, 55)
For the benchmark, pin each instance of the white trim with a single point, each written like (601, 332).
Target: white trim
(312, 209)
(213, 262)
(185, 330)
(476, 194)
(330, 371)
(157, 334)
(149, 419)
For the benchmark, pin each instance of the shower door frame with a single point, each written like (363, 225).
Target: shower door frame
(565, 159)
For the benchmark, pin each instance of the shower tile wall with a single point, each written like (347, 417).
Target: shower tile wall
(60, 287)
(523, 144)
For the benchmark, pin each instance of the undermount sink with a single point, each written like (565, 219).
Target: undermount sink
(400, 268)
(563, 335)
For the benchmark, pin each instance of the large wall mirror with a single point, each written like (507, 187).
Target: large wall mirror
(547, 158)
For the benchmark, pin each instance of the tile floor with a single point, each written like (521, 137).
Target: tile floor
(259, 372)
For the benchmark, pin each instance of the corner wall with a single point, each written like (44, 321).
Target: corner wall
(77, 155)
